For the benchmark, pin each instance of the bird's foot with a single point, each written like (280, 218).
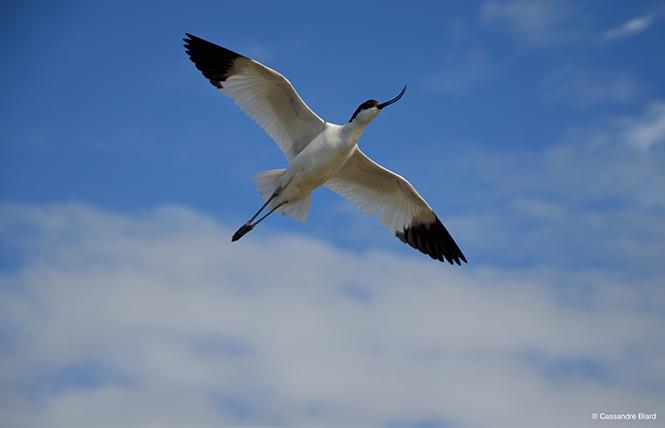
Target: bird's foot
(242, 231)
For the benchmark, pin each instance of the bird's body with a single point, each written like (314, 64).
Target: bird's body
(318, 162)
(320, 153)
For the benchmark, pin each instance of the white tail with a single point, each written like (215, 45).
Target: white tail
(297, 208)
(268, 181)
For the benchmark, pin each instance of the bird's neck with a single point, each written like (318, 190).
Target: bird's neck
(354, 129)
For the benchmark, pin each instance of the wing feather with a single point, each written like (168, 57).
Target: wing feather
(374, 189)
(261, 92)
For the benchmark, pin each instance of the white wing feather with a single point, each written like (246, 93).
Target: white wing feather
(261, 92)
(269, 98)
(374, 188)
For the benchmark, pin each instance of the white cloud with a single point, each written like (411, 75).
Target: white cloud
(590, 199)
(535, 22)
(544, 22)
(648, 130)
(157, 319)
(629, 28)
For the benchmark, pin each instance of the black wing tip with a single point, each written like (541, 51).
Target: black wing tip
(434, 240)
(192, 39)
(214, 61)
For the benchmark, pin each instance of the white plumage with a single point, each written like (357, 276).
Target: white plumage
(320, 153)
(269, 98)
(374, 188)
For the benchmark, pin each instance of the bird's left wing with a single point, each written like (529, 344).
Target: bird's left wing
(374, 188)
(261, 92)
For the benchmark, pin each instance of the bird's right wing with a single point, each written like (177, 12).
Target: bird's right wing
(374, 188)
(261, 92)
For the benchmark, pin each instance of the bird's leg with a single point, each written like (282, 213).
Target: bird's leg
(249, 225)
(273, 196)
(245, 228)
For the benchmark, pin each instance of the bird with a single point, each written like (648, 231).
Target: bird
(319, 153)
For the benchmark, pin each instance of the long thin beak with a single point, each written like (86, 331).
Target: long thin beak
(394, 100)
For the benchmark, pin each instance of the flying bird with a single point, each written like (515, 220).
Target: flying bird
(319, 153)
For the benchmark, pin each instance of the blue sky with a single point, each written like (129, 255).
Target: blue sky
(535, 129)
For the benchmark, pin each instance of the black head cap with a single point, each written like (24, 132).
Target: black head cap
(374, 103)
(367, 104)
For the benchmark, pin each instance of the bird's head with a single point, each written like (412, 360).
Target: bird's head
(367, 111)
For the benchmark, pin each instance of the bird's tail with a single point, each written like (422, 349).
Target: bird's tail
(268, 181)
(296, 208)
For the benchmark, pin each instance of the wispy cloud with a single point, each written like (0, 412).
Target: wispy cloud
(535, 22)
(647, 130)
(587, 88)
(545, 22)
(155, 318)
(629, 28)
(592, 196)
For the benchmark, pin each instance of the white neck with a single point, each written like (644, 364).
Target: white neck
(354, 129)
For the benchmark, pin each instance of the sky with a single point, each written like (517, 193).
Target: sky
(535, 129)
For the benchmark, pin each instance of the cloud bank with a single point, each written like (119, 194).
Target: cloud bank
(156, 319)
